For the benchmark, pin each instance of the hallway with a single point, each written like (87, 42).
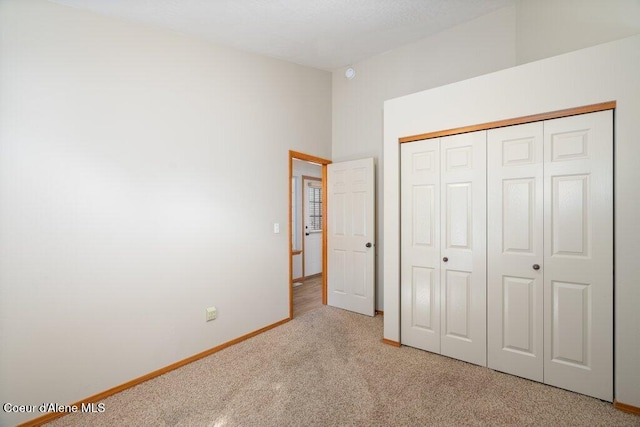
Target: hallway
(308, 296)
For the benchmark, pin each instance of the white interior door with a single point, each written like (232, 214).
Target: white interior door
(312, 200)
(515, 248)
(351, 240)
(443, 246)
(420, 244)
(463, 229)
(578, 265)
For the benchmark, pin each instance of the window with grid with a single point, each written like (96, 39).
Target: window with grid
(314, 197)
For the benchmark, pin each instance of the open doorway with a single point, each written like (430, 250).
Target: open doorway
(307, 232)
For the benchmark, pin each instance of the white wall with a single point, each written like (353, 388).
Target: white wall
(140, 170)
(480, 46)
(597, 74)
(551, 27)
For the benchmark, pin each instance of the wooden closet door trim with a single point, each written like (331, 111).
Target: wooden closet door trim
(516, 121)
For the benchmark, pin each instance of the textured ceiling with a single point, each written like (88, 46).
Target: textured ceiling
(325, 34)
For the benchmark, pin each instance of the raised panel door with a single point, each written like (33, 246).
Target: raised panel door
(515, 246)
(351, 230)
(578, 267)
(463, 246)
(420, 245)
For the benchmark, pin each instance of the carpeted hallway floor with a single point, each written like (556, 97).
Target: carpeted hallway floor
(329, 368)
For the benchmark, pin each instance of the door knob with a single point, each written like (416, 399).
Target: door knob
(445, 259)
(536, 267)
(368, 244)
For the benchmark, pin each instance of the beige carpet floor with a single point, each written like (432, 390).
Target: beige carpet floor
(329, 368)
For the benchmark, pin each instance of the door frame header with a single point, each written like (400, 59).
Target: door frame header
(609, 105)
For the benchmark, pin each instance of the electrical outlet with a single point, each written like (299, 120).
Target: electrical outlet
(212, 313)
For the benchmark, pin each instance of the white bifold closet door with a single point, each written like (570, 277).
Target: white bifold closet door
(515, 246)
(550, 263)
(443, 246)
(420, 245)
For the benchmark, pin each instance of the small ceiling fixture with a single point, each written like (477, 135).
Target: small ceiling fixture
(350, 73)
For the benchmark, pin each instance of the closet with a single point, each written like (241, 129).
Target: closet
(532, 206)
(443, 246)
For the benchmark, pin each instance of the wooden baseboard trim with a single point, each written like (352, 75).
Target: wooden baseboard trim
(117, 389)
(390, 342)
(626, 408)
(380, 312)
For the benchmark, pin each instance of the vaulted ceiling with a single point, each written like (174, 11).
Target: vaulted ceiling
(325, 34)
